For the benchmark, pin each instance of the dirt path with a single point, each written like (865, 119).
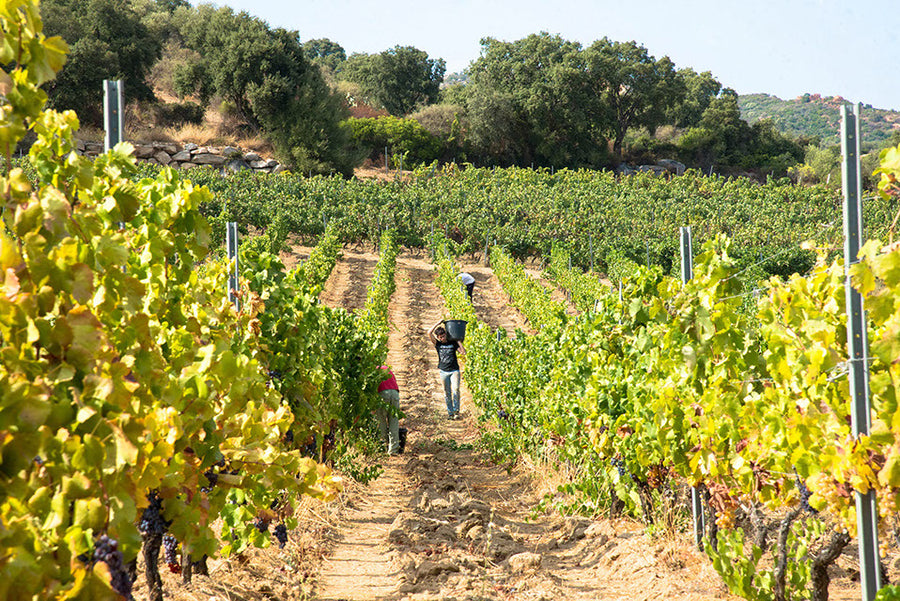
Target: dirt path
(346, 287)
(556, 294)
(444, 522)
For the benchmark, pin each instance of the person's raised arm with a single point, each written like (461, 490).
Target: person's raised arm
(431, 336)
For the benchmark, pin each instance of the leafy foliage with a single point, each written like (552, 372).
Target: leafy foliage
(401, 79)
(108, 41)
(265, 74)
(528, 102)
(637, 89)
(128, 380)
(404, 137)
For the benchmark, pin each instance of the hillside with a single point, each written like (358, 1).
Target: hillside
(812, 115)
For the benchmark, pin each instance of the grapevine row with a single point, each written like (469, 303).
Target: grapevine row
(139, 406)
(674, 382)
(527, 212)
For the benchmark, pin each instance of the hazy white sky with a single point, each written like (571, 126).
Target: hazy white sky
(786, 48)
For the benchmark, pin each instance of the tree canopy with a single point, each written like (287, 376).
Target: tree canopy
(325, 53)
(107, 40)
(528, 103)
(636, 89)
(401, 79)
(265, 75)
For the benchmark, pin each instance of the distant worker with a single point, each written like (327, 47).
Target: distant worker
(469, 282)
(388, 422)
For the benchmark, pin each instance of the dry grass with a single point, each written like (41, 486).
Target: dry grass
(218, 129)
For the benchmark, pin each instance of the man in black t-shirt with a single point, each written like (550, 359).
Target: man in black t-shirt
(448, 366)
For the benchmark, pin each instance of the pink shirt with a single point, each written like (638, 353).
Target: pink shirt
(389, 382)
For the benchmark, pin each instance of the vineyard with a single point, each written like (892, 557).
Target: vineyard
(144, 412)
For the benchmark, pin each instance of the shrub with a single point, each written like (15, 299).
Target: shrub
(399, 135)
(179, 113)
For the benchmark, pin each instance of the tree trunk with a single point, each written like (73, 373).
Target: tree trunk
(781, 565)
(825, 557)
(152, 542)
(200, 566)
(712, 528)
(646, 501)
(617, 144)
(186, 566)
(616, 505)
(760, 528)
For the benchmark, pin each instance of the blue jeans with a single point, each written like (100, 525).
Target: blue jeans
(451, 390)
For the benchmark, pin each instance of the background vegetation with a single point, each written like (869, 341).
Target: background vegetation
(540, 101)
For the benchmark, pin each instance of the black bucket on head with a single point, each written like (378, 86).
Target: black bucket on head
(456, 329)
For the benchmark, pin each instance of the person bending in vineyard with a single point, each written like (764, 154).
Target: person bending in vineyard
(469, 282)
(448, 366)
(388, 422)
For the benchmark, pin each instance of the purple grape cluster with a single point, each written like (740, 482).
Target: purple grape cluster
(261, 525)
(280, 534)
(170, 548)
(152, 521)
(211, 477)
(106, 549)
(805, 494)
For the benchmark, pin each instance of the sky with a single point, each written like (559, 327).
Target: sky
(784, 48)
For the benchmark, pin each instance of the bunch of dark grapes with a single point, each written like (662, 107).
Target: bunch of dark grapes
(310, 449)
(212, 477)
(289, 436)
(106, 549)
(619, 465)
(261, 525)
(152, 521)
(170, 547)
(805, 494)
(280, 534)
(501, 414)
(328, 442)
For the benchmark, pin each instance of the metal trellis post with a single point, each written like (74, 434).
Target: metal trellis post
(231, 247)
(857, 348)
(687, 273)
(113, 113)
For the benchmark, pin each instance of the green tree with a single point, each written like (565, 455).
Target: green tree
(637, 90)
(401, 79)
(108, 41)
(528, 101)
(724, 140)
(264, 74)
(325, 53)
(700, 90)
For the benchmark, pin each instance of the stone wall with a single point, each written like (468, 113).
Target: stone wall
(191, 156)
